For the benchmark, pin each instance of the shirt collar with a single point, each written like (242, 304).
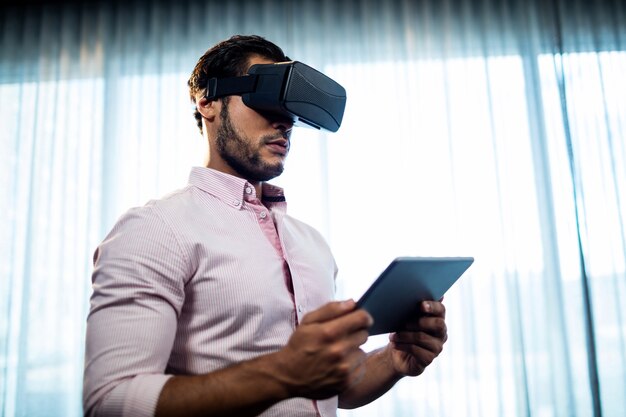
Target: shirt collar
(233, 190)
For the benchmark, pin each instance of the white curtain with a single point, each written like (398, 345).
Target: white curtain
(494, 129)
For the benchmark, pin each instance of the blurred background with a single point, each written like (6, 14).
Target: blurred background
(486, 128)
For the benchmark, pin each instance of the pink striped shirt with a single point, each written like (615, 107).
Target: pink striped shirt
(199, 280)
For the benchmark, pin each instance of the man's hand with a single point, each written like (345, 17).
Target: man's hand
(412, 350)
(322, 357)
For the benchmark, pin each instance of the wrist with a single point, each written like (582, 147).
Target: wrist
(275, 368)
(271, 369)
(395, 374)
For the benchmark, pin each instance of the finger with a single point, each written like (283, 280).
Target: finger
(347, 324)
(420, 339)
(423, 355)
(329, 311)
(435, 326)
(356, 339)
(434, 308)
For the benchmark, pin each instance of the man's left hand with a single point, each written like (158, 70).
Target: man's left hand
(414, 348)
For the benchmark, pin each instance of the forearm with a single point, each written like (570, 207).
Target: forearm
(378, 379)
(245, 389)
(314, 364)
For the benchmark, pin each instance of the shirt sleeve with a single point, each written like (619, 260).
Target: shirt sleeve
(138, 291)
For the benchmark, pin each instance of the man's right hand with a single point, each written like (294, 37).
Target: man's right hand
(321, 359)
(323, 355)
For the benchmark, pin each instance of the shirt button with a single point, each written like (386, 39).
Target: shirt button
(263, 215)
(299, 308)
(236, 203)
(248, 190)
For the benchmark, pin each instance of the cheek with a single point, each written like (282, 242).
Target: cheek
(253, 125)
(247, 120)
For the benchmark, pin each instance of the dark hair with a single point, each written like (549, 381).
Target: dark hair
(229, 58)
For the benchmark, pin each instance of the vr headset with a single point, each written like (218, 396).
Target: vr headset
(287, 89)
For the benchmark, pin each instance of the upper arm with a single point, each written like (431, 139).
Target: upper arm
(138, 291)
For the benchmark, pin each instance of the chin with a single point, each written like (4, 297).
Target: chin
(273, 173)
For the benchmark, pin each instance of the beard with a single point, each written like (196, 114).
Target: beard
(241, 154)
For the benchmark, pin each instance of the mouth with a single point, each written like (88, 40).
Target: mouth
(279, 145)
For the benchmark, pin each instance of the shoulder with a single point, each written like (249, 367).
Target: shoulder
(171, 211)
(153, 226)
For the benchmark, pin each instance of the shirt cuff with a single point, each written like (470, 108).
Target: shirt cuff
(135, 397)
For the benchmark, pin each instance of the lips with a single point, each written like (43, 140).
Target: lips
(280, 145)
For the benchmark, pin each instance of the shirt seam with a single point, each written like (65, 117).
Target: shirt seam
(168, 225)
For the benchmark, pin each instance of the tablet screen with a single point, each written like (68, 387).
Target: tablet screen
(396, 293)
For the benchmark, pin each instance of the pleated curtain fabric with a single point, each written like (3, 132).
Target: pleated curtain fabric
(494, 129)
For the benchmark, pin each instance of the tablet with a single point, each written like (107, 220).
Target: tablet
(396, 293)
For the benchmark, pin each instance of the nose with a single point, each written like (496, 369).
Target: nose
(284, 125)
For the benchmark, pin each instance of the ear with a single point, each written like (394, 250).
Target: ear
(209, 109)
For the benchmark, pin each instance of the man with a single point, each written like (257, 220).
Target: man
(213, 301)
